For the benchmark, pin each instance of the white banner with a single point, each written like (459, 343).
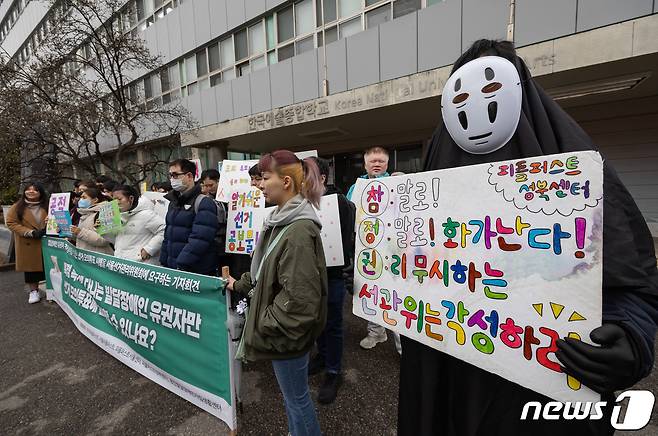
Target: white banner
(489, 263)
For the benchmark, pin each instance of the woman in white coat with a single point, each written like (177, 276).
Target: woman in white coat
(85, 234)
(143, 230)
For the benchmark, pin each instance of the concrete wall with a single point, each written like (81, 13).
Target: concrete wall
(27, 22)
(431, 38)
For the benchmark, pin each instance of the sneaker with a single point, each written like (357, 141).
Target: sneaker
(316, 365)
(34, 297)
(370, 341)
(329, 388)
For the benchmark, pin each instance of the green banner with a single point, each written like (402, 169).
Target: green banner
(168, 325)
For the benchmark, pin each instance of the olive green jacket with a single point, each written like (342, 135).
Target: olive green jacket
(288, 308)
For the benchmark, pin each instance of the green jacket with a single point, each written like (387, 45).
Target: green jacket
(288, 309)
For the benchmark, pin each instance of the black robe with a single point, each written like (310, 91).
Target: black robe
(442, 395)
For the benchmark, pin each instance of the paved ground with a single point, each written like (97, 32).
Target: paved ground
(54, 381)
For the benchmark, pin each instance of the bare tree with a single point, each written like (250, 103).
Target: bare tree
(75, 102)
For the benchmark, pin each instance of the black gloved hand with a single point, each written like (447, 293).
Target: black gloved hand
(607, 368)
(38, 234)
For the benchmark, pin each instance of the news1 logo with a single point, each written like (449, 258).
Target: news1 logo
(638, 411)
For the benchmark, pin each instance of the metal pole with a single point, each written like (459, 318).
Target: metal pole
(325, 82)
(510, 24)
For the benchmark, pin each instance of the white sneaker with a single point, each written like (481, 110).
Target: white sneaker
(34, 297)
(370, 341)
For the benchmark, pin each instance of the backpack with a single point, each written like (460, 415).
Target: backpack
(220, 235)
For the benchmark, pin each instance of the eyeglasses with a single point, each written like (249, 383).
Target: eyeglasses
(176, 175)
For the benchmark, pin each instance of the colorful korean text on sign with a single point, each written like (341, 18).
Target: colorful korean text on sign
(489, 263)
(246, 212)
(58, 201)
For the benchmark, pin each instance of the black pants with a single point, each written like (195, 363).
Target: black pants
(34, 276)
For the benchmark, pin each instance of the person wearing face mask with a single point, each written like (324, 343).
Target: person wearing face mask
(143, 230)
(27, 220)
(287, 284)
(509, 116)
(85, 234)
(191, 224)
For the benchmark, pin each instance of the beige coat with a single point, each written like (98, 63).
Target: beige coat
(28, 251)
(88, 238)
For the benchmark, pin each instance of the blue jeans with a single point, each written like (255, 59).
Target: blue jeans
(292, 375)
(330, 342)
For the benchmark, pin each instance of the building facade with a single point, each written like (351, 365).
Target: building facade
(342, 75)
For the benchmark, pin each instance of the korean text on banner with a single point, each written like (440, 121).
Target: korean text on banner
(168, 325)
(489, 263)
(58, 201)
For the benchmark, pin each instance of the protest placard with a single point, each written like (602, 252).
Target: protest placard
(58, 201)
(246, 212)
(159, 202)
(109, 218)
(489, 263)
(63, 221)
(199, 169)
(168, 325)
(332, 239)
(234, 176)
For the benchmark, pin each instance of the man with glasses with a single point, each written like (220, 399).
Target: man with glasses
(189, 241)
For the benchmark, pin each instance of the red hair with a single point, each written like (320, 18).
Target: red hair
(305, 174)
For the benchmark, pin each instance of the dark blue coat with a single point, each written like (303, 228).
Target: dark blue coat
(190, 237)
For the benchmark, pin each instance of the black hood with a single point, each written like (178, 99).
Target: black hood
(545, 128)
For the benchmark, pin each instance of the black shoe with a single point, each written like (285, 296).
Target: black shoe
(316, 365)
(329, 388)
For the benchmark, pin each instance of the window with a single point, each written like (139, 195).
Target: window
(226, 52)
(256, 39)
(164, 80)
(304, 45)
(228, 74)
(243, 69)
(213, 57)
(258, 64)
(371, 2)
(174, 79)
(271, 58)
(285, 25)
(141, 14)
(348, 7)
(304, 17)
(331, 35)
(349, 28)
(404, 7)
(216, 79)
(269, 25)
(378, 16)
(201, 65)
(241, 48)
(190, 69)
(329, 7)
(286, 52)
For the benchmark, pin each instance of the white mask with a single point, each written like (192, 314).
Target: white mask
(481, 104)
(177, 185)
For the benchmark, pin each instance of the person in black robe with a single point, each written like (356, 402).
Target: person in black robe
(442, 395)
